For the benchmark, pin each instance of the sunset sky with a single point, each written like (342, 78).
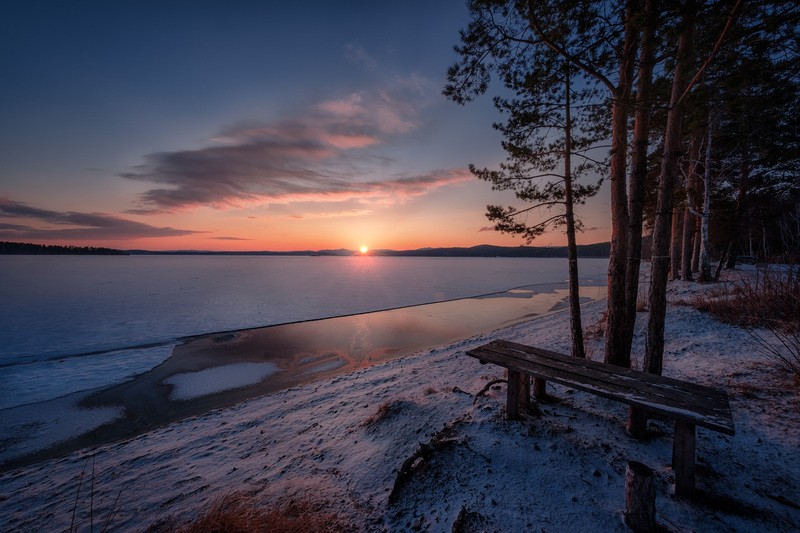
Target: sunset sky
(244, 125)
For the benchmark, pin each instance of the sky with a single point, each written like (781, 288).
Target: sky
(245, 125)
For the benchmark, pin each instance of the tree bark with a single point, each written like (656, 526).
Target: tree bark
(637, 418)
(696, 243)
(636, 190)
(705, 218)
(657, 300)
(741, 208)
(572, 248)
(676, 238)
(640, 497)
(689, 220)
(687, 244)
(615, 352)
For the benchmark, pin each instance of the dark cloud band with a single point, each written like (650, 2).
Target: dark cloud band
(75, 225)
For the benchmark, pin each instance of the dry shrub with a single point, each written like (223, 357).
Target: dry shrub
(767, 306)
(598, 329)
(387, 410)
(236, 513)
(771, 296)
(383, 411)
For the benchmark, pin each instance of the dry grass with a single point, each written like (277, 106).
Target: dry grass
(767, 306)
(598, 329)
(771, 296)
(383, 412)
(236, 513)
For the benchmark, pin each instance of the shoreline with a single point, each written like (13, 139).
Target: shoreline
(339, 444)
(302, 352)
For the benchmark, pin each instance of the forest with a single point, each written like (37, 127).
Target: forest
(26, 248)
(688, 109)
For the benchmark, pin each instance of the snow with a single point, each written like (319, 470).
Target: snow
(33, 427)
(342, 441)
(191, 385)
(41, 381)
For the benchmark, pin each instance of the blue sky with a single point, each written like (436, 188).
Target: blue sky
(242, 125)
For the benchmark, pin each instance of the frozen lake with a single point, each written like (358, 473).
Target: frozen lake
(70, 323)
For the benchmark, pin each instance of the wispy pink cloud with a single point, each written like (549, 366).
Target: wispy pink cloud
(319, 157)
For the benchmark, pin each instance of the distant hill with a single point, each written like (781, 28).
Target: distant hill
(26, 248)
(484, 250)
(340, 252)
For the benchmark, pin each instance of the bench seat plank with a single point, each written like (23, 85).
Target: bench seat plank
(707, 401)
(686, 389)
(680, 400)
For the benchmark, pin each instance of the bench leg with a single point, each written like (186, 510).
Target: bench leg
(637, 422)
(683, 453)
(519, 392)
(539, 388)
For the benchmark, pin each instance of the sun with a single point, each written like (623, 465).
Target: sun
(363, 249)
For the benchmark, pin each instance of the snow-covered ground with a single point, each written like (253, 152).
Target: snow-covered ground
(341, 443)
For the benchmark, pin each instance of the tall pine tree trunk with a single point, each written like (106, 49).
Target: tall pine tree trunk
(676, 237)
(572, 248)
(741, 210)
(687, 243)
(689, 222)
(696, 243)
(654, 354)
(641, 130)
(615, 352)
(705, 217)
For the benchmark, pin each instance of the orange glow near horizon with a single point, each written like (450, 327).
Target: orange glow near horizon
(445, 218)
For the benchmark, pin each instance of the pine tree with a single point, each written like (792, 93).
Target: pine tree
(549, 134)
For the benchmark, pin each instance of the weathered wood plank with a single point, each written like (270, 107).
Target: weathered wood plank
(519, 392)
(625, 390)
(700, 391)
(697, 404)
(539, 388)
(607, 374)
(647, 383)
(637, 422)
(637, 381)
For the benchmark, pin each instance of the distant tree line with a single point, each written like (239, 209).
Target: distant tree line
(26, 248)
(485, 250)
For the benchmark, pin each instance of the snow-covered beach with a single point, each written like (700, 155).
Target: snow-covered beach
(340, 443)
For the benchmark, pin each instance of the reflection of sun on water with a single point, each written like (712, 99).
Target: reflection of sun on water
(363, 249)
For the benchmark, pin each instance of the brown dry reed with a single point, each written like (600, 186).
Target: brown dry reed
(767, 306)
(236, 513)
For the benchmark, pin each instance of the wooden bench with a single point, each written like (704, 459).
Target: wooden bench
(688, 404)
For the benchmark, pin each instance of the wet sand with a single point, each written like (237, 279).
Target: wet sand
(301, 352)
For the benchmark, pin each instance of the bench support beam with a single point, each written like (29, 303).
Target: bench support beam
(683, 455)
(689, 404)
(637, 422)
(539, 388)
(519, 392)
